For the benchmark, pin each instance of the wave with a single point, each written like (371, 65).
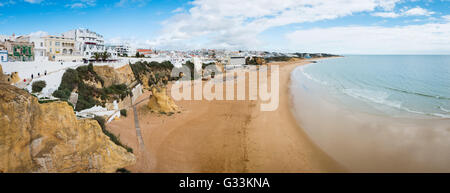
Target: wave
(372, 96)
(444, 109)
(380, 97)
(312, 78)
(417, 93)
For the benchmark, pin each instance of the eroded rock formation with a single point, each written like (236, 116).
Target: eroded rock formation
(111, 76)
(48, 138)
(161, 102)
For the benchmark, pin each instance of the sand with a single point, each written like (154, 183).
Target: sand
(224, 136)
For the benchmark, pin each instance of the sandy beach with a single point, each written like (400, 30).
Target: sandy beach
(224, 136)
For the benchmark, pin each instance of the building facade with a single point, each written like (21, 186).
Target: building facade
(59, 48)
(3, 56)
(87, 42)
(40, 50)
(18, 49)
(121, 50)
(145, 52)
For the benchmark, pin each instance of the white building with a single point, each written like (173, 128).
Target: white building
(120, 49)
(40, 50)
(88, 42)
(3, 56)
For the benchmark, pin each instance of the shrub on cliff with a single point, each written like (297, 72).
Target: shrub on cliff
(123, 112)
(69, 80)
(122, 170)
(38, 86)
(88, 95)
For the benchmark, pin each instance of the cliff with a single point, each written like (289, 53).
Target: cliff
(2, 76)
(48, 138)
(161, 102)
(111, 76)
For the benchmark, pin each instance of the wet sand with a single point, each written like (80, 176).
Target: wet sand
(224, 136)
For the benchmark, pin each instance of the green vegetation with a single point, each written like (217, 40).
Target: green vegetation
(279, 59)
(191, 66)
(101, 56)
(38, 86)
(122, 170)
(101, 121)
(84, 79)
(123, 112)
(47, 101)
(115, 92)
(156, 72)
(254, 61)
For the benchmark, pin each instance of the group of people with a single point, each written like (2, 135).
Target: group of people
(39, 74)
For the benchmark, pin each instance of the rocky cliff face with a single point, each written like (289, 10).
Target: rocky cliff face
(48, 138)
(111, 76)
(2, 76)
(161, 102)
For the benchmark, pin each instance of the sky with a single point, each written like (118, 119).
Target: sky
(331, 26)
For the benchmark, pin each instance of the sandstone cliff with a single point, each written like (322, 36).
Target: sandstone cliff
(111, 76)
(2, 76)
(48, 138)
(161, 102)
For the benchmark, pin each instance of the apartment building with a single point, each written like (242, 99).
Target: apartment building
(19, 49)
(87, 42)
(40, 50)
(60, 48)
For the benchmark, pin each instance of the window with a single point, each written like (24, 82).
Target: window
(57, 44)
(42, 44)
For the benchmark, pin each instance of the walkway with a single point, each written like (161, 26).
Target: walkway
(137, 126)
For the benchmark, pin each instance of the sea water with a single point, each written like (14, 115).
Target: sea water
(377, 113)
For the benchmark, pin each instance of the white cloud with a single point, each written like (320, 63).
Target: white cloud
(237, 23)
(446, 17)
(417, 11)
(33, 1)
(124, 3)
(431, 38)
(81, 3)
(38, 34)
(130, 41)
(386, 14)
(177, 10)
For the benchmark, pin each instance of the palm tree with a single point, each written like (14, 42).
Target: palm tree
(96, 56)
(105, 55)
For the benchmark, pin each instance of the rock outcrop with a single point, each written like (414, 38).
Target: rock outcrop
(111, 76)
(48, 138)
(161, 102)
(2, 76)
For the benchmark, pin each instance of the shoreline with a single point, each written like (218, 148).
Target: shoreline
(225, 137)
(368, 142)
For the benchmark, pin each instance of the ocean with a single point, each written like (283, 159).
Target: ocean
(377, 113)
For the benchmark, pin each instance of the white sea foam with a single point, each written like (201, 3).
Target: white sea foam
(372, 96)
(444, 109)
(302, 69)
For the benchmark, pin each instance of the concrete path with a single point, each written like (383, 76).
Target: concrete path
(138, 128)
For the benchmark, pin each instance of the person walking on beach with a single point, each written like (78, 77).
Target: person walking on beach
(31, 76)
(45, 73)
